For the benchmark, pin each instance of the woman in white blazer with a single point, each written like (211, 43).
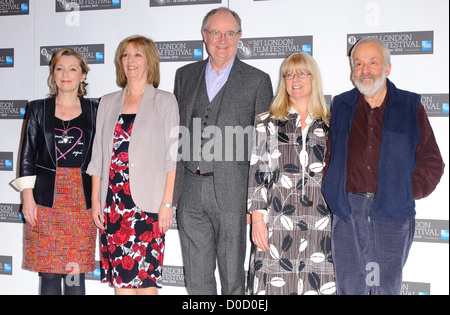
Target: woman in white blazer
(133, 170)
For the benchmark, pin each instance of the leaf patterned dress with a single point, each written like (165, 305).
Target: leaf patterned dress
(285, 185)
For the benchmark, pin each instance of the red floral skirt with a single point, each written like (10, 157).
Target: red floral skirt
(132, 248)
(63, 239)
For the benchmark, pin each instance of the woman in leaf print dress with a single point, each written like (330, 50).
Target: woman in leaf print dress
(291, 224)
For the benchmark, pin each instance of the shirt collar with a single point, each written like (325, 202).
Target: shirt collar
(225, 71)
(293, 114)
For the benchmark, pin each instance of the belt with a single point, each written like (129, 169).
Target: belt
(209, 174)
(367, 194)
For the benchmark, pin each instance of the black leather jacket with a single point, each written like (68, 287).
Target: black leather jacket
(38, 152)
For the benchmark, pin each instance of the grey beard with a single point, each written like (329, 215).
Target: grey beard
(369, 91)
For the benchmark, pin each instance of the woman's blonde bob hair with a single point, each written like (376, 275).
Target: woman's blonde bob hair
(67, 51)
(151, 53)
(281, 104)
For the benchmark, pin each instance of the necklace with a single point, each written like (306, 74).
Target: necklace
(65, 136)
(69, 110)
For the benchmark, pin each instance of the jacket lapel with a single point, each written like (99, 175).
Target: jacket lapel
(147, 102)
(233, 84)
(116, 108)
(195, 86)
(88, 120)
(49, 127)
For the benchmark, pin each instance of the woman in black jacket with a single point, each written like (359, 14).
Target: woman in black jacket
(56, 191)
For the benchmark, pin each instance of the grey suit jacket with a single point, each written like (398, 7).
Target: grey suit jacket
(248, 92)
(152, 149)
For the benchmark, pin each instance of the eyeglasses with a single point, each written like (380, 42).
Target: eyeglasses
(218, 34)
(291, 76)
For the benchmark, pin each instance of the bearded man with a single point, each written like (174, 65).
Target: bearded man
(382, 155)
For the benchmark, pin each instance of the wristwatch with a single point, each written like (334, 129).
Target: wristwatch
(167, 205)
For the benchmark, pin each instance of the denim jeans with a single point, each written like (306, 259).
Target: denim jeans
(369, 255)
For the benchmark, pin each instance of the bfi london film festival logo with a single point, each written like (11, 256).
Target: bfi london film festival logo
(274, 47)
(11, 213)
(95, 54)
(6, 161)
(159, 3)
(431, 231)
(180, 51)
(14, 7)
(6, 265)
(173, 276)
(7, 58)
(399, 43)
(73, 7)
(95, 274)
(86, 5)
(415, 288)
(13, 109)
(436, 105)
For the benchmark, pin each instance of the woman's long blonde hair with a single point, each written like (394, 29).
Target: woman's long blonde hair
(281, 104)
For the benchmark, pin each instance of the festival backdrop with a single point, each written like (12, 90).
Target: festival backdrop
(416, 31)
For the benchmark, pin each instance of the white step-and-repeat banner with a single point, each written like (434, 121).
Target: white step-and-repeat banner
(417, 32)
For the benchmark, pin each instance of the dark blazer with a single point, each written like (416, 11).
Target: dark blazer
(248, 92)
(38, 152)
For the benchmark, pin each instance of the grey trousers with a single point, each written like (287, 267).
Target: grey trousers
(208, 235)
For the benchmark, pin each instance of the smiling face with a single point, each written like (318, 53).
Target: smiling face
(222, 50)
(68, 74)
(370, 71)
(134, 63)
(299, 89)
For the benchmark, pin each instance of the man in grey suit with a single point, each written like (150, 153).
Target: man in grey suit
(218, 99)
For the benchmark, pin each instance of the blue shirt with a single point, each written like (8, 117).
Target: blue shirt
(215, 82)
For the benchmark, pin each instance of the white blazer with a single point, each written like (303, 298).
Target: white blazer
(152, 150)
